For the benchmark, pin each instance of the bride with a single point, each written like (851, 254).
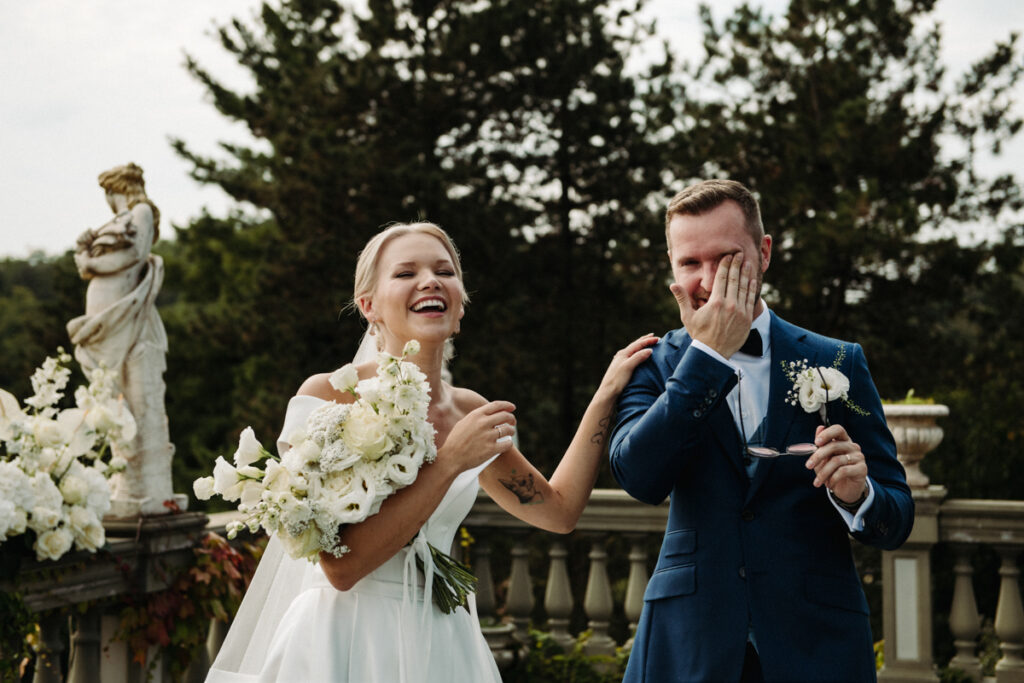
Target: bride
(367, 616)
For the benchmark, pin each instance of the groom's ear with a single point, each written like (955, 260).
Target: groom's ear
(766, 252)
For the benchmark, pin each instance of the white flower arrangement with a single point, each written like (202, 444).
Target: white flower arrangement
(815, 387)
(343, 463)
(53, 475)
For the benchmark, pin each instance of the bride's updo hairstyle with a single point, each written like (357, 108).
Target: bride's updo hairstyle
(367, 269)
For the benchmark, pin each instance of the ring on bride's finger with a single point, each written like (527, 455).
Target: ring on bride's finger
(847, 456)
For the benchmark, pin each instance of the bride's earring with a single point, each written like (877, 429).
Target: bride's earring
(372, 329)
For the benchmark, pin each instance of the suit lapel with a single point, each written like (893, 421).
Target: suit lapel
(788, 345)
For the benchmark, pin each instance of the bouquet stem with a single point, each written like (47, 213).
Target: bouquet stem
(453, 582)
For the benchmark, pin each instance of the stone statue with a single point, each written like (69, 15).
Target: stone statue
(121, 329)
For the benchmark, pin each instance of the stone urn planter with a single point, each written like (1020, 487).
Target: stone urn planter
(914, 427)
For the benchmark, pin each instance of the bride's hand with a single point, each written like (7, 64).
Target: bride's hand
(482, 433)
(623, 364)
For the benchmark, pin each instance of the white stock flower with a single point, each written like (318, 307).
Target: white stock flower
(52, 544)
(345, 378)
(47, 432)
(44, 518)
(203, 488)
(249, 450)
(98, 497)
(118, 464)
(366, 432)
(411, 348)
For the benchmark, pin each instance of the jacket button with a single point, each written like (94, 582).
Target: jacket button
(747, 515)
(696, 413)
(713, 393)
(743, 572)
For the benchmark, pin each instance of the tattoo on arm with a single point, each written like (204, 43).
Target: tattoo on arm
(522, 486)
(598, 436)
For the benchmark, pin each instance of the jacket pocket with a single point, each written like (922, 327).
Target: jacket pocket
(672, 582)
(681, 542)
(835, 591)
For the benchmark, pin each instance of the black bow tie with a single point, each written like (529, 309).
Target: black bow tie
(752, 347)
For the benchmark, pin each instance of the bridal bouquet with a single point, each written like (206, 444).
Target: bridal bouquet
(53, 476)
(343, 463)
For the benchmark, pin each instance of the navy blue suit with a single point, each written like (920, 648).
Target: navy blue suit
(769, 553)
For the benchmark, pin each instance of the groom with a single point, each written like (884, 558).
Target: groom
(755, 579)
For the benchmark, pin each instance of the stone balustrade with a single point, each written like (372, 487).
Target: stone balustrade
(525, 581)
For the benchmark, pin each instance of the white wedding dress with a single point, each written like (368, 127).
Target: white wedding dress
(294, 626)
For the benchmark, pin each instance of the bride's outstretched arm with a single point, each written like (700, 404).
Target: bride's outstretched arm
(376, 539)
(556, 504)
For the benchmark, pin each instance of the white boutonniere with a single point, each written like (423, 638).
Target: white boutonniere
(815, 387)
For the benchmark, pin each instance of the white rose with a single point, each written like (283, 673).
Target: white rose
(344, 378)
(226, 481)
(44, 518)
(51, 545)
(366, 432)
(203, 488)
(9, 519)
(86, 528)
(303, 545)
(74, 488)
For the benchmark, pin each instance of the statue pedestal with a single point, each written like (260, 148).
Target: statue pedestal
(127, 509)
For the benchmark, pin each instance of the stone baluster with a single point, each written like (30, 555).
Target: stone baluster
(635, 586)
(84, 662)
(486, 605)
(558, 596)
(597, 602)
(519, 603)
(215, 638)
(964, 622)
(53, 642)
(1009, 619)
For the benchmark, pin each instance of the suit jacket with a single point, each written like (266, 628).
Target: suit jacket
(769, 553)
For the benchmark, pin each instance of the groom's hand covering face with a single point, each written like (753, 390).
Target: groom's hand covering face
(717, 271)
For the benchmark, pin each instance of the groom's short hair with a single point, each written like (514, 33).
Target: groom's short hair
(710, 194)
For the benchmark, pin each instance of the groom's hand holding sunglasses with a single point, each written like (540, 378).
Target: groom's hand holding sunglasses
(838, 464)
(723, 321)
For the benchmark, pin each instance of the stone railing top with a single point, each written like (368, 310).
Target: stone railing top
(915, 410)
(608, 510)
(999, 522)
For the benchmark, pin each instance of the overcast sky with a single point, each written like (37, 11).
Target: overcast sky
(89, 84)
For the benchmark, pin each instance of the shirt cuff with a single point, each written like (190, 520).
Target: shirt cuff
(711, 352)
(855, 522)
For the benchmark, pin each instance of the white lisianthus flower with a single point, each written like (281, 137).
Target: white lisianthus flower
(100, 419)
(203, 488)
(10, 414)
(250, 450)
(811, 391)
(370, 390)
(52, 544)
(366, 432)
(277, 477)
(226, 481)
(836, 384)
(345, 378)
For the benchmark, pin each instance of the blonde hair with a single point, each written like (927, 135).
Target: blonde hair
(127, 180)
(367, 270)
